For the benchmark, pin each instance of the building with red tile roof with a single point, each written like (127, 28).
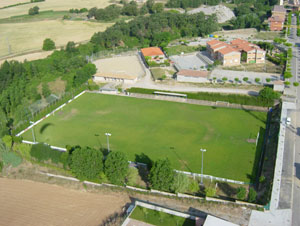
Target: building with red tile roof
(230, 54)
(154, 54)
(276, 21)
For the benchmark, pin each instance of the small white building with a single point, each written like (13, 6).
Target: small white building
(192, 76)
(278, 86)
(111, 77)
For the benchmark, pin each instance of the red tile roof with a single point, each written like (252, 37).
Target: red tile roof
(192, 73)
(152, 51)
(227, 50)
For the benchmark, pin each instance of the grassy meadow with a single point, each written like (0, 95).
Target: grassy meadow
(153, 129)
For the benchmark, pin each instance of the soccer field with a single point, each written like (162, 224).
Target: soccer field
(157, 129)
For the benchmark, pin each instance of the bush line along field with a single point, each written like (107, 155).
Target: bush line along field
(152, 129)
(231, 98)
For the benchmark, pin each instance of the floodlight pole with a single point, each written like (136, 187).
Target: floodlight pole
(32, 130)
(107, 136)
(202, 150)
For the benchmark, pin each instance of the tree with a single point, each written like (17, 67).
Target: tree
(252, 195)
(161, 175)
(268, 80)
(245, 79)
(45, 90)
(287, 83)
(70, 48)
(180, 183)
(257, 80)
(287, 75)
(48, 44)
(87, 163)
(236, 80)
(296, 84)
(241, 193)
(224, 79)
(267, 93)
(116, 167)
(33, 11)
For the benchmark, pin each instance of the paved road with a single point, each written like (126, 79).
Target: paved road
(292, 164)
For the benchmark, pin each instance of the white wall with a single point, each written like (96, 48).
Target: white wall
(102, 79)
(191, 79)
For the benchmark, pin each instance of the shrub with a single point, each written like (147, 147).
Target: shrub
(262, 179)
(210, 192)
(132, 176)
(1, 166)
(296, 84)
(224, 79)
(268, 80)
(43, 152)
(11, 158)
(252, 195)
(193, 186)
(48, 44)
(116, 167)
(180, 183)
(241, 193)
(87, 163)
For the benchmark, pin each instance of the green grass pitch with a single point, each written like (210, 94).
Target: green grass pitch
(157, 129)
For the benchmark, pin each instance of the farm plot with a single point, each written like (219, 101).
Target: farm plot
(55, 5)
(33, 203)
(20, 37)
(152, 129)
(128, 65)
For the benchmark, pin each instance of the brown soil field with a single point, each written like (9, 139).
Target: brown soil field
(129, 65)
(33, 203)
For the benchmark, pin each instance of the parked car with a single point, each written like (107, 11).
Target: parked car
(288, 120)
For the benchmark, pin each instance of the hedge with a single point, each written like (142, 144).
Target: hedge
(231, 98)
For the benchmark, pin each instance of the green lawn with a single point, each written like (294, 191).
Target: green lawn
(158, 129)
(159, 218)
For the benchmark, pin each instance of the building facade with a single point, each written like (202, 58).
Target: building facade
(276, 21)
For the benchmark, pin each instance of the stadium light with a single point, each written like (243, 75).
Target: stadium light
(33, 136)
(107, 135)
(202, 150)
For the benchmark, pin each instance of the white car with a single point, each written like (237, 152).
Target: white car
(288, 120)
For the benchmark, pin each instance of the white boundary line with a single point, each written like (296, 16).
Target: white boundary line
(52, 112)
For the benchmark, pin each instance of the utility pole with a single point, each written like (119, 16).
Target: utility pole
(33, 136)
(107, 136)
(202, 150)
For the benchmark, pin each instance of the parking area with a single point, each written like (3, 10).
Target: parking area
(241, 75)
(193, 61)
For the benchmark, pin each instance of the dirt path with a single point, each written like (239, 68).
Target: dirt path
(33, 203)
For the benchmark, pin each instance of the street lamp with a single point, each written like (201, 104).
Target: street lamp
(107, 135)
(202, 150)
(33, 136)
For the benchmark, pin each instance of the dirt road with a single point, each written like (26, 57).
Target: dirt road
(32, 203)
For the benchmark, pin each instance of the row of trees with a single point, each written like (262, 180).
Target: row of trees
(190, 3)
(129, 9)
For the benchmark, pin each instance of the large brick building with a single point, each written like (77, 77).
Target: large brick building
(276, 21)
(230, 54)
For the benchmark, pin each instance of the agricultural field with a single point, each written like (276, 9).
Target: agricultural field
(55, 5)
(33, 203)
(153, 129)
(22, 37)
